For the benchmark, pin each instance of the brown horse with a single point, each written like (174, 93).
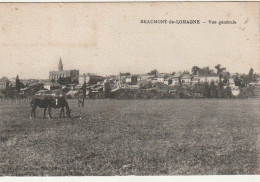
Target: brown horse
(49, 103)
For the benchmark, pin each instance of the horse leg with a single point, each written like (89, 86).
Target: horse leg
(33, 112)
(60, 112)
(68, 111)
(63, 112)
(44, 112)
(49, 110)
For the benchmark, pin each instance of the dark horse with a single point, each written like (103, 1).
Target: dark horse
(48, 103)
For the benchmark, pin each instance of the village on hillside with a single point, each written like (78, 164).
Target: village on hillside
(196, 83)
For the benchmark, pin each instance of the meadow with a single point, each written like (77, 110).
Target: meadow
(133, 137)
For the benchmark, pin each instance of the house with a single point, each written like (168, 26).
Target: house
(213, 78)
(205, 78)
(159, 79)
(50, 85)
(195, 79)
(175, 79)
(12, 82)
(255, 84)
(128, 79)
(131, 80)
(168, 81)
(201, 78)
(123, 76)
(90, 78)
(134, 80)
(235, 91)
(147, 77)
(186, 79)
(231, 83)
(4, 83)
(24, 90)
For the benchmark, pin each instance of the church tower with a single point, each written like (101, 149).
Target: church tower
(60, 67)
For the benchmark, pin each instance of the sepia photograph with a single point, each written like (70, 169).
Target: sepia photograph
(129, 89)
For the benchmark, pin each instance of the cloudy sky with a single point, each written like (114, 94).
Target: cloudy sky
(108, 38)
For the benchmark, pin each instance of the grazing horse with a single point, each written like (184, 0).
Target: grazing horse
(49, 103)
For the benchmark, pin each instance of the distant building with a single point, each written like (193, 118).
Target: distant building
(168, 81)
(90, 78)
(50, 85)
(159, 79)
(186, 79)
(12, 82)
(72, 74)
(146, 77)
(235, 91)
(175, 79)
(4, 83)
(128, 79)
(134, 80)
(231, 83)
(205, 78)
(213, 78)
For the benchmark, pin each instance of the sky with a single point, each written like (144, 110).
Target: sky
(108, 38)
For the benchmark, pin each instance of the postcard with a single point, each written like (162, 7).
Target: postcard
(129, 89)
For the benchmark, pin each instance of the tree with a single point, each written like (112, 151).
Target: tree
(205, 71)
(146, 85)
(4, 78)
(244, 80)
(17, 84)
(250, 75)
(185, 72)
(213, 90)
(227, 92)
(220, 71)
(153, 72)
(206, 90)
(237, 81)
(107, 87)
(218, 68)
(220, 89)
(226, 77)
(195, 70)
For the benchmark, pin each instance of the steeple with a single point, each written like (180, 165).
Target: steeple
(60, 67)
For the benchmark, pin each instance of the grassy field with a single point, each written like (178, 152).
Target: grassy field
(133, 137)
